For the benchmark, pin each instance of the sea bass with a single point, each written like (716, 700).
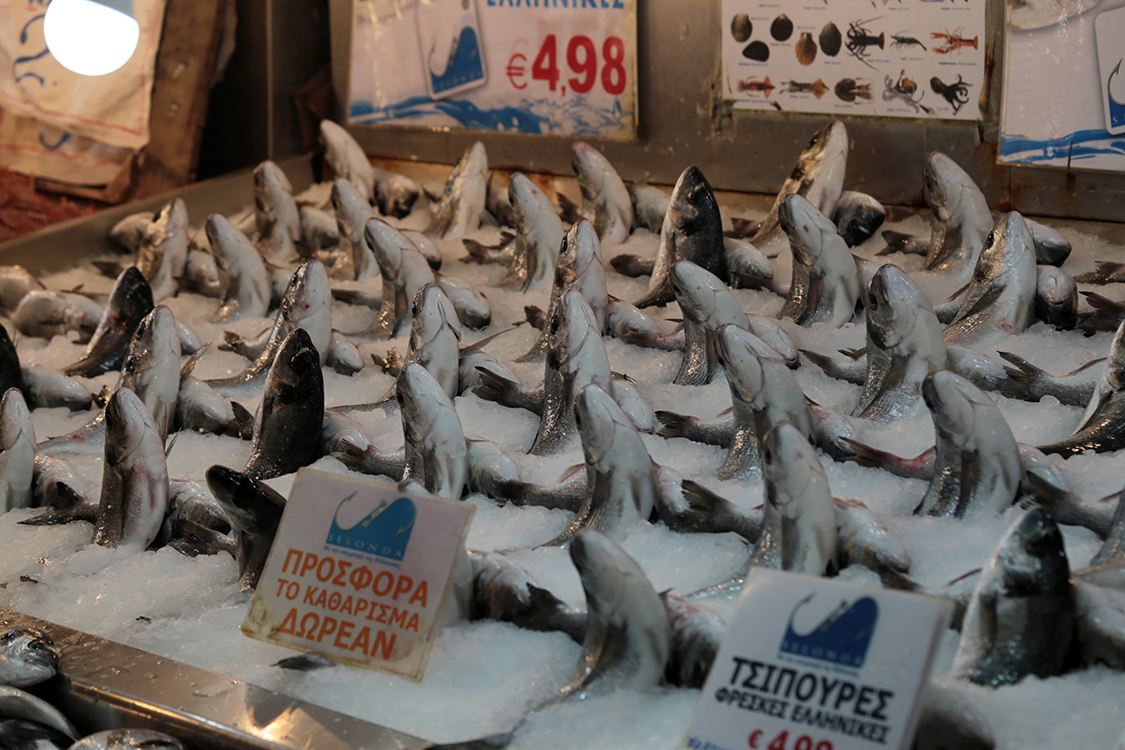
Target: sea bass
(461, 204)
(278, 220)
(436, 453)
(605, 201)
(961, 217)
(17, 451)
(254, 511)
(248, 288)
(825, 287)
(129, 302)
(163, 253)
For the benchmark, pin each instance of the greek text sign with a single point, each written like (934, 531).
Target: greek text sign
(359, 572)
(813, 664)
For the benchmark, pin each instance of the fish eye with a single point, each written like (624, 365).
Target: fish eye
(872, 301)
(555, 324)
(767, 454)
(991, 240)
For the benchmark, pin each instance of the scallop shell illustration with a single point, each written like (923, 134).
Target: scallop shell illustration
(806, 49)
(781, 28)
(741, 28)
(830, 39)
(758, 51)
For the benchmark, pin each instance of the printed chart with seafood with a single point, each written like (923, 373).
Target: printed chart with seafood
(907, 58)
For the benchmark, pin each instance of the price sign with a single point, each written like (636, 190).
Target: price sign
(813, 664)
(565, 67)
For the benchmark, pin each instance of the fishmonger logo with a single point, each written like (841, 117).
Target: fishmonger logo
(842, 637)
(383, 531)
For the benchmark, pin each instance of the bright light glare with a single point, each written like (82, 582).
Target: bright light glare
(88, 37)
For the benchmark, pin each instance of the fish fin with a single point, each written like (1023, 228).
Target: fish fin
(491, 742)
(392, 362)
(101, 398)
(170, 444)
(671, 423)
(189, 366)
(242, 426)
(568, 209)
(304, 662)
(1103, 273)
(897, 242)
(472, 348)
(980, 304)
(1104, 304)
(492, 386)
(891, 379)
(892, 579)
(55, 517)
(1022, 376)
(632, 265)
(853, 353)
(108, 268)
(865, 455)
(535, 316)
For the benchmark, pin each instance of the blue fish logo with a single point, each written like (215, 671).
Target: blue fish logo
(384, 532)
(1116, 108)
(841, 638)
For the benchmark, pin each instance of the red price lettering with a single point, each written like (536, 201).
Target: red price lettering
(781, 742)
(581, 60)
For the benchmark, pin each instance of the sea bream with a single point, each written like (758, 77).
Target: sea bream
(692, 230)
(17, 451)
(605, 201)
(163, 253)
(825, 287)
(1056, 297)
(130, 301)
(818, 176)
(307, 305)
(278, 220)
(28, 656)
(460, 207)
(287, 426)
(254, 511)
(962, 219)
(434, 442)
(248, 289)
(135, 489)
(1021, 616)
(1000, 300)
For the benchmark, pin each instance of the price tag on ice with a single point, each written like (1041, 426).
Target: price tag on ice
(359, 572)
(813, 664)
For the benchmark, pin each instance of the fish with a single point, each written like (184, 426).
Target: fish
(15, 282)
(498, 204)
(287, 426)
(47, 314)
(977, 469)
(276, 214)
(48, 389)
(129, 302)
(825, 287)
(17, 451)
(352, 214)
(57, 486)
(201, 274)
(763, 391)
(1105, 272)
(436, 453)
(1112, 551)
(404, 272)
(347, 159)
(425, 246)
(865, 540)
(1101, 426)
(897, 242)
(395, 194)
(692, 230)
(129, 232)
(605, 201)
(904, 345)
(28, 656)
(473, 308)
(628, 637)
(135, 486)
(16, 703)
(248, 289)
(697, 633)
(620, 475)
(200, 409)
(707, 305)
(491, 470)
(163, 253)
(307, 305)
(1056, 297)
(746, 266)
(1027, 382)
(1021, 616)
(459, 208)
(504, 591)
(319, 228)
(857, 217)
(948, 719)
(579, 266)
(11, 373)
(1051, 248)
(254, 511)
(128, 739)
(818, 176)
(962, 219)
(1001, 295)
(650, 204)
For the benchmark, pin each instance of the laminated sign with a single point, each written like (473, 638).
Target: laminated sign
(813, 664)
(359, 572)
(566, 67)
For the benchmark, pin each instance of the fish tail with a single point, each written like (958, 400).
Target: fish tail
(632, 265)
(568, 210)
(865, 455)
(709, 512)
(1103, 273)
(672, 424)
(893, 579)
(535, 316)
(242, 426)
(493, 387)
(897, 242)
(1022, 377)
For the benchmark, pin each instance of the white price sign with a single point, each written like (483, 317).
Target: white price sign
(814, 664)
(565, 67)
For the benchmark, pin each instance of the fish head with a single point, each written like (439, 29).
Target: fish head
(396, 196)
(741, 353)
(170, 221)
(1115, 360)
(946, 186)
(270, 186)
(131, 296)
(590, 167)
(697, 289)
(334, 139)
(791, 470)
(599, 419)
(1008, 251)
(823, 162)
(421, 397)
(1030, 557)
(955, 404)
(570, 327)
(607, 573)
(775, 337)
(1056, 287)
(527, 201)
(893, 301)
(35, 653)
(250, 504)
(295, 376)
(127, 424)
(582, 240)
(15, 419)
(309, 292)
(351, 209)
(431, 313)
(156, 338)
(806, 227)
(692, 201)
(389, 246)
(223, 237)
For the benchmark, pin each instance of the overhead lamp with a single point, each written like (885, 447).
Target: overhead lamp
(91, 37)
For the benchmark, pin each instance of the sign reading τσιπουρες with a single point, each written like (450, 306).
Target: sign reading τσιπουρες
(814, 664)
(359, 572)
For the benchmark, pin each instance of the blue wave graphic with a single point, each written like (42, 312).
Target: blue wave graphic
(575, 115)
(1078, 146)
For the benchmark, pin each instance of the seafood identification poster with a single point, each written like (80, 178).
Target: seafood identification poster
(919, 58)
(564, 67)
(1064, 85)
